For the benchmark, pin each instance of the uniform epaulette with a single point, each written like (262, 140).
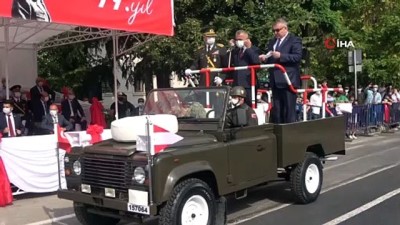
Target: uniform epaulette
(200, 47)
(220, 45)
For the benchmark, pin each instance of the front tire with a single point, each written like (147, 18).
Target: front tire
(192, 203)
(306, 179)
(87, 218)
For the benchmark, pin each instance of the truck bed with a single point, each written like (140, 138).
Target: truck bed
(294, 139)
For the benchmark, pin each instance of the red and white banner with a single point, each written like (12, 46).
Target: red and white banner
(142, 16)
(160, 139)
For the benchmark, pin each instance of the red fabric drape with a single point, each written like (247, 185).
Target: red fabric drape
(96, 112)
(6, 197)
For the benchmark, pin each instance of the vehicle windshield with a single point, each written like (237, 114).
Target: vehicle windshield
(207, 103)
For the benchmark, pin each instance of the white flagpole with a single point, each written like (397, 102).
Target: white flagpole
(58, 156)
(150, 152)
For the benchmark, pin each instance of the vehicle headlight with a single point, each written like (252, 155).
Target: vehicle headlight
(77, 167)
(139, 175)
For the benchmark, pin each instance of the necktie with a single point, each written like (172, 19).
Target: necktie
(70, 108)
(55, 119)
(10, 127)
(44, 108)
(278, 43)
(241, 53)
(209, 48)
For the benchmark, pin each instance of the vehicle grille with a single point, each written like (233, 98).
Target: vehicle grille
(110, 173)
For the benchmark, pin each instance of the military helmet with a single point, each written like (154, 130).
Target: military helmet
(238, 91)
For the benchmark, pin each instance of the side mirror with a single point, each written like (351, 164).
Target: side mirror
(241, 117)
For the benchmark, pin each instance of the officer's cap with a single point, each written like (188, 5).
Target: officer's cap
(210, 33)
(15, 87)
(120, 93)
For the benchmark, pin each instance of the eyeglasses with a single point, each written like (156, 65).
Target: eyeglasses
(277, 30)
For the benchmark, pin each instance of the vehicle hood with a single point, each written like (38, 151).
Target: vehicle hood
(111, 147)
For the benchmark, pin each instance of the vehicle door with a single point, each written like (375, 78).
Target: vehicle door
(252, 154)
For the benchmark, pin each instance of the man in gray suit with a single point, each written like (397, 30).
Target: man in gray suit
(53, 117)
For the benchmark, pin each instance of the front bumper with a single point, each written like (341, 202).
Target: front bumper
(102, 202)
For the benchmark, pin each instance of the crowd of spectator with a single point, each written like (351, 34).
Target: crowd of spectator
(35, 112)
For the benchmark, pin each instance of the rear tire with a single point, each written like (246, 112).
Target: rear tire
(306, 179)
(192, 202)
(87, 218)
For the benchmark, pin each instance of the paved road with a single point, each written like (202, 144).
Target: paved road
(360, 188)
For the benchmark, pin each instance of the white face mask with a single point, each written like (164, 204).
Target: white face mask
(141, 104)
(359, 90)
(210, 41)
(375, 89)
(6, 110)
(17, 94)
(235, 101)
(318, 92)
(240, 43)
(53, 112)
(258, 97)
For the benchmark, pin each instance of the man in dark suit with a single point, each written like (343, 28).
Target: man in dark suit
(39, 108)
(54, 117)
(284, 49)
(245, 54)
(210, 55)
(73, 111)
(10, 123)
(40, 87)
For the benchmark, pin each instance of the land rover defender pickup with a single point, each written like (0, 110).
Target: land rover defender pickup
(187, 182)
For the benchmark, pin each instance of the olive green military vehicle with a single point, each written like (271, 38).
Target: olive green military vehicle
(187, 182)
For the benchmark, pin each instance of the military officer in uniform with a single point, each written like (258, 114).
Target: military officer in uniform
(238, 94)
(20, 106)
(210, 55)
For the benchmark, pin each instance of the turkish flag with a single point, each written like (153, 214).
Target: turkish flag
(62, 140)
(162, 138)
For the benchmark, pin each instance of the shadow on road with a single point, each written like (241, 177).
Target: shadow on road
(278, 192)
(32, 195)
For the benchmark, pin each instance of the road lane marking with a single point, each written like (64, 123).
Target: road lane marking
(359, 178)
(361, 157)
(53, 220)
(363, 208)
(239, 221)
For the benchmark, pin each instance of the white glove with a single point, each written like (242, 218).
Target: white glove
(188, 72)
(217, 80)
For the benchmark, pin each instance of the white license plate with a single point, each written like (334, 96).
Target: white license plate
(139, 209)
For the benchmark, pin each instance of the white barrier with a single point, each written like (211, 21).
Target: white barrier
(31, 161)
